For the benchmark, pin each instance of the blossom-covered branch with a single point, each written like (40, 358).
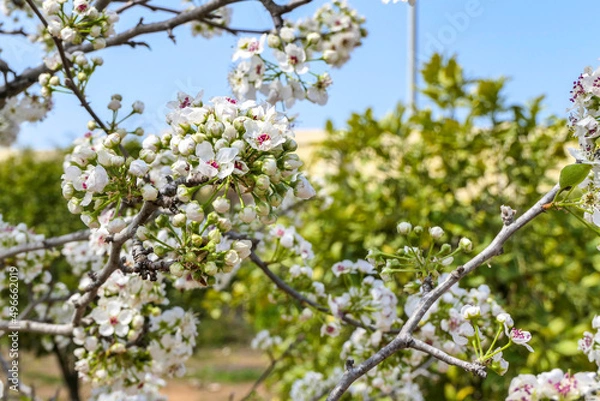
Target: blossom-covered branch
(402, 341)
(45, 244)
(30, 76)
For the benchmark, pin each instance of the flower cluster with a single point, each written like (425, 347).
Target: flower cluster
(461, 318)
(420, 257)
(17, 110)
(329, 36)
(554, 385)
(97, 174)
(81, 70)
(226, 161)
(30, 265)
(590, 343)
(130, 333)
(314, 385)
(369, 302)
(79, 21)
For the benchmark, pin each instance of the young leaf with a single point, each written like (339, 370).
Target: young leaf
(573, 174)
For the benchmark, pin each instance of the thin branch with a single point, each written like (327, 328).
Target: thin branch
(234, 31)
(113, 262)
(282, 285)
(151, 7)
(270, 368)
(45, 244)
(20, 31)
(30, 326)
(403, 339)
(475, 368)
(277, 10)
(69, 81)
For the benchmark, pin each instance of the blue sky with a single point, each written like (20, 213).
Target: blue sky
(540, 46)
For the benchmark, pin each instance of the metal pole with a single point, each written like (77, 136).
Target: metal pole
(412, 56)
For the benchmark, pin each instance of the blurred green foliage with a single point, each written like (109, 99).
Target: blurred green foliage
(30, 193)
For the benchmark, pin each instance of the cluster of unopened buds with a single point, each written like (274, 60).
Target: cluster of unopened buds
(329, 36)
(79, 21)
(81, 69)
(129, 332)
(420, 257)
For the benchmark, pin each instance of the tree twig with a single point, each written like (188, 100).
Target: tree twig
(45, 244)
(31, 326)
(270, 368)
(69, 80)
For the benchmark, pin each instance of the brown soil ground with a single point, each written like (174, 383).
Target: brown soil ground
(212, 375)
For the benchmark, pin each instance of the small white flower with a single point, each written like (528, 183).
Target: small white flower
(138, 168)
(303, 189)
(521, 337)
(436, 232)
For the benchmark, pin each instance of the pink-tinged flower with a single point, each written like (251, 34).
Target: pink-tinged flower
(248, 47)
(81, 6)
(523, 388)
(330, 329)
(521, 337)
(96, 180)
(342, 267)
(293, 59)
(262, 135)
(112, 319)
(211, 165)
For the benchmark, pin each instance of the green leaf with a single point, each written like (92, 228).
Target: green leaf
(573, 174)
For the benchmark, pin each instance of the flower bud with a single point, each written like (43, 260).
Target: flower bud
(215, 236)
(116, 225)
(262, 182)
(177, 269)
(142, 233)
(404, 228)
(149, 192)
(112, 140)
(221, 205)
(243, 248)
(179, 220)
(147, 155)
(211, 268)
(247, 214)
(465, 245)
(194, 212)
(470, 312)
(436, 232)
(138, 107)
(273, 40)
(138, 168)
(232, 258)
